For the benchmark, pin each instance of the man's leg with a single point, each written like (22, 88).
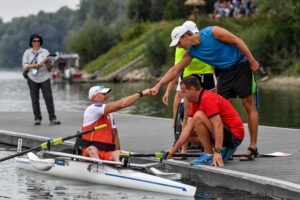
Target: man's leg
(201, 122)
(115, 156)
(177, 100)
(252, 119)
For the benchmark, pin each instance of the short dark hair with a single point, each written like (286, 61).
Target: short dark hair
(191, 81)
(189, 33)
(35, 36)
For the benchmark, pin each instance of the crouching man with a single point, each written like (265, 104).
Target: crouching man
(214, 120)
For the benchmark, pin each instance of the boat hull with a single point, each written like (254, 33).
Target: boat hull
(110, 175)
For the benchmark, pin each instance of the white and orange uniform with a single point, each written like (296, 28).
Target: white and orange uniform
(94, 116)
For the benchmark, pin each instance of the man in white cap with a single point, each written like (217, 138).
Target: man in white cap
(104, 143)
(233, 61)
(202, 70)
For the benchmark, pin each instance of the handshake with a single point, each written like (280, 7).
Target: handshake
(146, 92)
(153, 91)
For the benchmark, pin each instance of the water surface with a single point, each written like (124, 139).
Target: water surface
(277, 107)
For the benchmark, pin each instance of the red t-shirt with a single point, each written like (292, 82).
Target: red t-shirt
(213, 104)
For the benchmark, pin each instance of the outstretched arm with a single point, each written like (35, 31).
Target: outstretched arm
(227, 37)
(124, 102)
(172, 73)
(185, 135)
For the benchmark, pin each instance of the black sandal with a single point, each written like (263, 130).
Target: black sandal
(248, 157)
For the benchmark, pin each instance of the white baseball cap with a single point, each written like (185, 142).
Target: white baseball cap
(191, 26)
(98, 89)
(177, 32)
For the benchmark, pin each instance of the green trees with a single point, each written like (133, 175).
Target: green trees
(272, 35)
(156, 10)
(91, 40)
(14, 36)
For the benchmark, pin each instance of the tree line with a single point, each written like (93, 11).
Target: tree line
(97, 26)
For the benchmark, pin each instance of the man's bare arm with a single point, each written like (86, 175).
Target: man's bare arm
(172, 73)
(116, 139)
(185, 135)
(168, 91)
(124, 102)
(218, 134)
(217, 126)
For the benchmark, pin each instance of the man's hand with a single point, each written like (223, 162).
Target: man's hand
(165, 98)
(146, 92)
(36, 65)
(169, 154)
(155, 89)
(45, 60)
(254, 65)
(217, 160)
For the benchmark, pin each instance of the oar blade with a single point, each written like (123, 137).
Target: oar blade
(268, 155)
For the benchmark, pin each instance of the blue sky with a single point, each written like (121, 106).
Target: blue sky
(20, 8)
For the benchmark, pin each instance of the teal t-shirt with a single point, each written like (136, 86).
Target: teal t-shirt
(215, 52)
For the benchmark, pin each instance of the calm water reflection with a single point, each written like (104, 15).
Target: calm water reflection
(278, 107)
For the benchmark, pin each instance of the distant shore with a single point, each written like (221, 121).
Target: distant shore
(280, 82)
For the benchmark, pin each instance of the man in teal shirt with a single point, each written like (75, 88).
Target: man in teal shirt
(203, 71)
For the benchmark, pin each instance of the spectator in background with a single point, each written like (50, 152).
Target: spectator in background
(233, 8)
(36, 62)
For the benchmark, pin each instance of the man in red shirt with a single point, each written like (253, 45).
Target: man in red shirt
(215, 121)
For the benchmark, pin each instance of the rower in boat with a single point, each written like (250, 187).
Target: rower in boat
(104, 144)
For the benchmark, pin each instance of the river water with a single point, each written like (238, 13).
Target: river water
(277, 108)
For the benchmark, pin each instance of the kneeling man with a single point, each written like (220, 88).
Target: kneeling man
(215, 121)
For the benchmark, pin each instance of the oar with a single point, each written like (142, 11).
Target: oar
(159, 155)
(268, 155)
(52, 142)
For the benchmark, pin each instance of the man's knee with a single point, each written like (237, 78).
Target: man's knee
(199, 116)
(199, 120)
(115, 155)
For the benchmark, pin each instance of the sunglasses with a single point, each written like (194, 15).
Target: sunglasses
(36, 41)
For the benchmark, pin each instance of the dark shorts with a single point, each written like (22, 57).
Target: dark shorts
(236, 82)
(229, 140)
(207, 81)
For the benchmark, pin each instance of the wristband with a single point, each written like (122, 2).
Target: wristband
(140, 93)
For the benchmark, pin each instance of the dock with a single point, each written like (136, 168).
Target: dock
(272, 177)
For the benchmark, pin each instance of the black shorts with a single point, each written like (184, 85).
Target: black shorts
(207, 81)
(229, 140)
(236, 82)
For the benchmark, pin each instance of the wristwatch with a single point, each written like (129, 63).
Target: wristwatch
(140, 93)
(217, 150)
